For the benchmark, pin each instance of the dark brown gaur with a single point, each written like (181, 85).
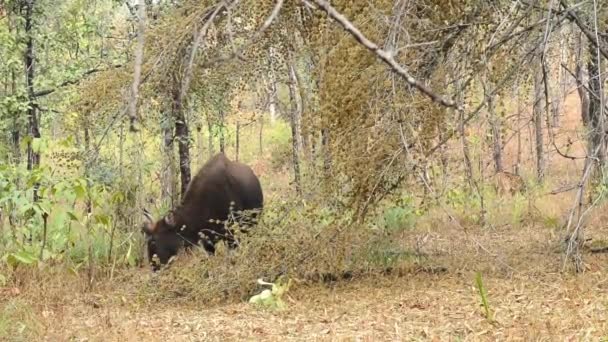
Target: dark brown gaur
(223, 190)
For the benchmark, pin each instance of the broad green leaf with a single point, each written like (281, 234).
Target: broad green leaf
(72, 216)
(102, 219)
(22, 257)
(80, 191)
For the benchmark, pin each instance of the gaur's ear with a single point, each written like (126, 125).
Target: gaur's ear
(170, 219)
(146, 228)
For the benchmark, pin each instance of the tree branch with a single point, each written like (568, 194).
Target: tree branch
(385, 56)
(72, 82)
(590, 35)
(238, 52)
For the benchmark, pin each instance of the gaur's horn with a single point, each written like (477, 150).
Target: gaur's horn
(147, 215)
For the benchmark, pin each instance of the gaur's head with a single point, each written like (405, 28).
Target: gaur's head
(162, 239)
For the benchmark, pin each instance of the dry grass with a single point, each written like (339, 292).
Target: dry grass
(530, 299)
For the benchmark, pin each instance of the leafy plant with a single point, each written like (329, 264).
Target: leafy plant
(401, 216)
(272, 298)
(483, 294)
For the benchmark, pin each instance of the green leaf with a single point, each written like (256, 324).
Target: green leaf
(22, 257)
(272, 299)
(102, 219)
(38, 145)
(80, 191)
(483, 294)
(72, 216)
(118, 197)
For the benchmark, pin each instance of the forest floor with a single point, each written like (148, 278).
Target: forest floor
(529, 299)
(529, 296)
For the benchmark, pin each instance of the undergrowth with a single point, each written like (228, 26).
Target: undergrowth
(299, 245)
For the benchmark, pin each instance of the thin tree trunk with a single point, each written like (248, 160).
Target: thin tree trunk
(302, 108)
(16, 133)
(538, 121)
(325, 136)
(237, 143)
(222, 129)
(581, 82)
(519, 150)
(87, 152)
(294, 129)
(168, 173)
(260, 136)
(210, 137)
(33, 159)
(201, 148)
(182, 135)
(496, 136)
(272, 105)
(597, 119)
(13, 30)
(139, 58)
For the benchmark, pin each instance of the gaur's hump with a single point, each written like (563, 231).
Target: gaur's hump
(218, 161)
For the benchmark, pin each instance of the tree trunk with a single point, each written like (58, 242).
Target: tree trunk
(260, 135)
(496, 136)
(210, 137)
(326, 152)
(294, 129)
(302, 110)
(519, 128)
(16, 132)
(182, 134)
(200, 145)
(581, 82)
(13, 29)
(596, 114)
(222, 129)
(272, 104)
(237, 143)
(167, 178)
(87, 153)
(139, 58)
(538, 120)
(33, 157)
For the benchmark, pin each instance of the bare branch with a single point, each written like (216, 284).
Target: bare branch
(590, 35)
(197, 42)
(73, 81)
(238, 52)
(385, 56)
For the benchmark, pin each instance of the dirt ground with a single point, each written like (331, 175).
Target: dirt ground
(529, 298)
